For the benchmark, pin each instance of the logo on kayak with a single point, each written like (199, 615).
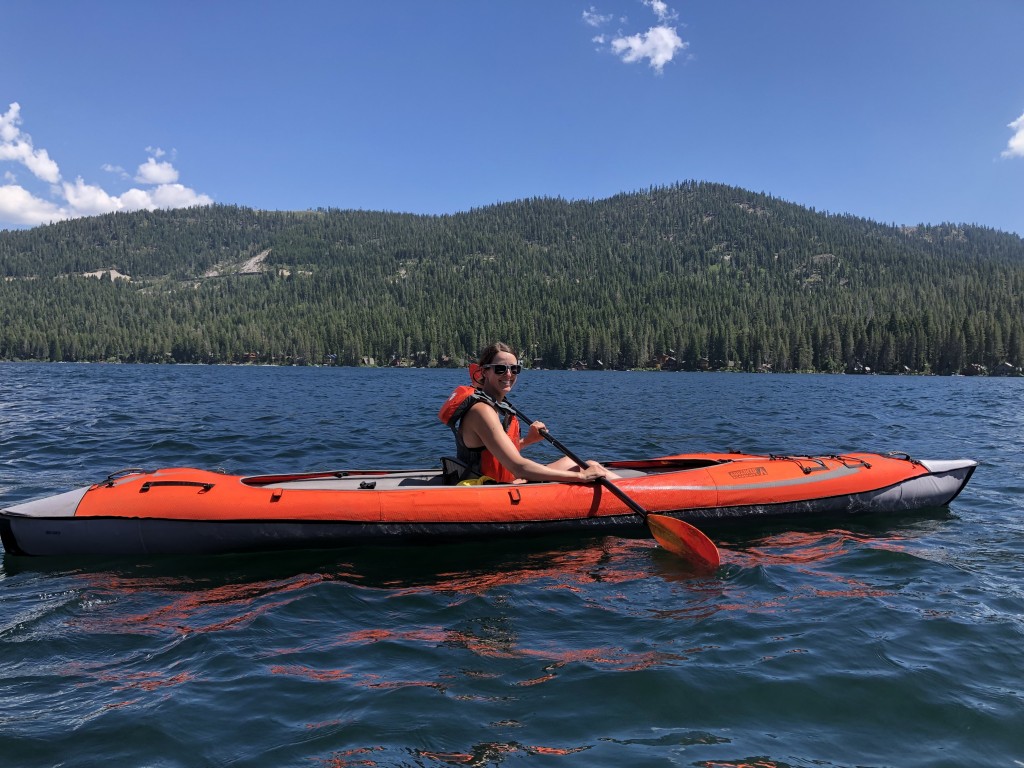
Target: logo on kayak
(752, 472)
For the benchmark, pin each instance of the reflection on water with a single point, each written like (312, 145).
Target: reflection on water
(494, 753)
(205, 610)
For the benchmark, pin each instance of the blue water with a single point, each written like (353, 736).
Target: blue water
(864, 642)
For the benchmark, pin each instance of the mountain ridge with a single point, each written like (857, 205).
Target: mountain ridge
(693, 274)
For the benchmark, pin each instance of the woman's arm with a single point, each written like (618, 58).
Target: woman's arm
(481, 426)
(533, 435)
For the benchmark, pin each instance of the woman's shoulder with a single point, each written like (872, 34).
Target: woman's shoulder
(481, 405)
(485, 410)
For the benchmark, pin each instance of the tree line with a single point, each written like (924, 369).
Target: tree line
(688, 276)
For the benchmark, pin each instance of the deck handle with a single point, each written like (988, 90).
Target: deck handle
(151, 483)
(109, 482)
(902, 455)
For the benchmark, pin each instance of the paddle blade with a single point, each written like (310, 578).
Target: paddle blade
(684, 540)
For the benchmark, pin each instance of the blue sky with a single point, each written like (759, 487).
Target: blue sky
(901, 111)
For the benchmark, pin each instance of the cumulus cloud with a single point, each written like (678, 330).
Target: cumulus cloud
(1015, 147)
(67, 200)
(152, 172)
(89, 200)
(20, 207)
(16, 146)
(658, 45)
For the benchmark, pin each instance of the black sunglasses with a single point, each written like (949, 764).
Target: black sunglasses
(500, 369)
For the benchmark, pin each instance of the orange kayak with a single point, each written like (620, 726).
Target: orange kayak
(195, 511)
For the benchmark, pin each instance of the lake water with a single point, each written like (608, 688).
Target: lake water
(861, 642)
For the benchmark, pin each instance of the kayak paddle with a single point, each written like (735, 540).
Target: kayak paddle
(677, 536)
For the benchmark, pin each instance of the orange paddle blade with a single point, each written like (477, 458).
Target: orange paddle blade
(684, 540)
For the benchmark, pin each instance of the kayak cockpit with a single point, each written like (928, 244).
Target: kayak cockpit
(350, 480)
(406, 478)
(369, 480)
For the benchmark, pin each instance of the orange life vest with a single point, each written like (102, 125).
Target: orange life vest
(479, 460)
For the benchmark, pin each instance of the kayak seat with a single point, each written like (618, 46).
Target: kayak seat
(437, 479)
(454, 470)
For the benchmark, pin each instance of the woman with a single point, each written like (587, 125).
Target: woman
(487, 435)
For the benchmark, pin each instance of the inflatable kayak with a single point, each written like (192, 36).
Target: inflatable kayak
(194, 511)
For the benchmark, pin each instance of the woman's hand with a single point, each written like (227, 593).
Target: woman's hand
(595, 471)
(533, 435)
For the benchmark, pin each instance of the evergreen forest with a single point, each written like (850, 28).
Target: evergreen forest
(689, 276)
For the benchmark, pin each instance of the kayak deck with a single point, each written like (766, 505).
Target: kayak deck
(193, 511)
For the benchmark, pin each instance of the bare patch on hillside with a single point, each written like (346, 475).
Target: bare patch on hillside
(114, 274)
(253, 266)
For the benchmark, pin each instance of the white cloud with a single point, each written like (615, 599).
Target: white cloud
(21, 207)
(137, 200)
(661, 10)
(595, 19)
(1015, 147)
(658, 44)
(16, 146)
(89, 200)
(9, 130)
(177, 196)
(115, 169)
(152, 172)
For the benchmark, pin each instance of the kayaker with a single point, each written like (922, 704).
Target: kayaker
(487, 436)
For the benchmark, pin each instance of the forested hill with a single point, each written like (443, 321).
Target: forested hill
(692, 275)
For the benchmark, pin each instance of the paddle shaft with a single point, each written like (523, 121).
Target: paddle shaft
(604, 481)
